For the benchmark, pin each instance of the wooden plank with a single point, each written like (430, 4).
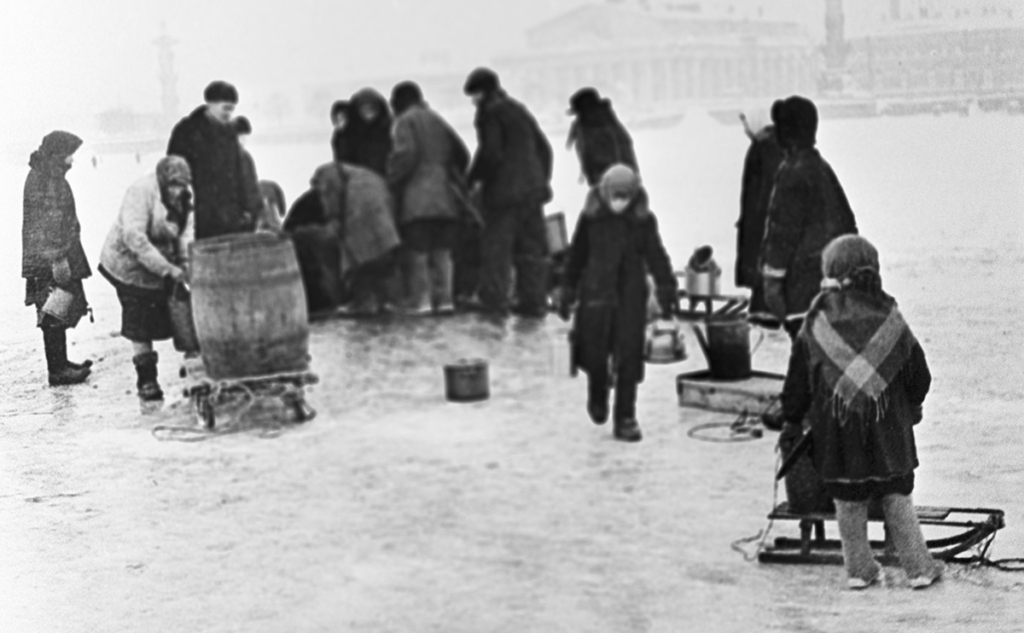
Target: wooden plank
(782, 513)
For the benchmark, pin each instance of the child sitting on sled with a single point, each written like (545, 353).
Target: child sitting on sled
(859, 376)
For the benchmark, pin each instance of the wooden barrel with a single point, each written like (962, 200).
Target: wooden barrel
(249, 306)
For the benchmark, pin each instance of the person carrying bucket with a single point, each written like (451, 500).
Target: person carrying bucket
(143, 252)
(859, 375)
(614, 247)
(53, 260)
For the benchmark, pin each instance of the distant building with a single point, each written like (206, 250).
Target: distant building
(941, 49)
(661, 55)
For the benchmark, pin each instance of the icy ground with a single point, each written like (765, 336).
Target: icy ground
(394, 510)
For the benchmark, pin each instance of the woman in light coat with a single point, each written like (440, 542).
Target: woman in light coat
(143, 257)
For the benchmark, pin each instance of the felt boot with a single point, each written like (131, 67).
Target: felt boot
(61, 372)
(145, 368)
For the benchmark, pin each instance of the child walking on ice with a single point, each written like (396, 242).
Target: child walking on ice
(615, 246)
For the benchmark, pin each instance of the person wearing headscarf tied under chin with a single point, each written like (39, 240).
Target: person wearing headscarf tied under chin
(860, 376)
(53, 260)
(614, 247)
(144, 256)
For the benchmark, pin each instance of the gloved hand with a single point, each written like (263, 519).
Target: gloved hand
(790, 435)
(775, 297)
(61, 272)
(565, 300)
(668, 301)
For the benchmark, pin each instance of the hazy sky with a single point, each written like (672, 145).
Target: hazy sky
(64, 60)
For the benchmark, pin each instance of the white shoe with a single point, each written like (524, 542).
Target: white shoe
(859, 584)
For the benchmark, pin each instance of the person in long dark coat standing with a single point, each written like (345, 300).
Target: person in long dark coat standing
(614, 247)
(227, 198)
(425, 171)
(53, 261)
(759, 166)
(599, 138)
(807, 210)
(513, 165)
(365, 140)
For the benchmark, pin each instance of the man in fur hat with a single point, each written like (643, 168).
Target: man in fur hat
(227, 199)
(513, 165)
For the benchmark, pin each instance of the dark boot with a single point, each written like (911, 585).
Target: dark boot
(597, 400)
(145, 367)
(61, 372)
(627, 430)
(626, 427)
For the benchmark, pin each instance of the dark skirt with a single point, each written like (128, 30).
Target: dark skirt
(871, 489)
(145, 315)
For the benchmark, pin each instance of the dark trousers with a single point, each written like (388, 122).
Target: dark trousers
(376, 281)
(466, 261)
(625, 393)
(514, 237)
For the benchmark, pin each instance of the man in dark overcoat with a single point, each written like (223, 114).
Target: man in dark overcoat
(227, 198)
(513, 165)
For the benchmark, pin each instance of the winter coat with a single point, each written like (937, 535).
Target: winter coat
(857, 450)
(807, 210)
(359, 210)
(762, 161)
(227, 198)
(50, 228)
(513, 157)
(601, 141)
(609, 259)
(427, 155)
(144, 246)
(318, 252)
(365, 144)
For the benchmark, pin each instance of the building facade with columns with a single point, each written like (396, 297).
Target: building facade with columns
(661, 56)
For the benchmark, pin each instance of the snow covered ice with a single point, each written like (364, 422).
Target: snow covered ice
(395, 510)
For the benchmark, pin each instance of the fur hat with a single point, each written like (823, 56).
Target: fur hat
(405, 95)
(220, 91)
(173, 170)
(482, 80)
(585, 99)
(796, 121)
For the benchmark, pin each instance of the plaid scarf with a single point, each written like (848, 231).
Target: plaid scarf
(860, 342)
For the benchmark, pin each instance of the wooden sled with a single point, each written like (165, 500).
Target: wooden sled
(204, 392)
(975, 526)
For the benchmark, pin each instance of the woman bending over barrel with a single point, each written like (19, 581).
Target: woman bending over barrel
(143, 254)
(859, 376)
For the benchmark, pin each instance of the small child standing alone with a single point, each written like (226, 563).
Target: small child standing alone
(614, 247)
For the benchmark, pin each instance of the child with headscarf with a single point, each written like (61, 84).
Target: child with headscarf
(143, 254)
(859, 376)
(614, 247)
(53, 260)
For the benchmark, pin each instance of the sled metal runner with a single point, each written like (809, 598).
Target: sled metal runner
(205, 392)
(974, 525)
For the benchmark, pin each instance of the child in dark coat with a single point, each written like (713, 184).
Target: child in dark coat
(615, 246)
(858, 374)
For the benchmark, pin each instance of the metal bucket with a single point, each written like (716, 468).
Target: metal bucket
(557, 237)
(466, 380)
(704, 283)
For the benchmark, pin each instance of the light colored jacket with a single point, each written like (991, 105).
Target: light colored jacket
(143, 247)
